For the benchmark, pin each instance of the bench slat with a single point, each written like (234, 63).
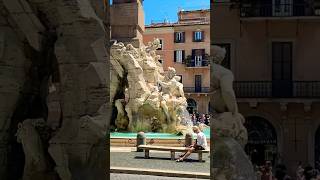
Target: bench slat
(165, 148)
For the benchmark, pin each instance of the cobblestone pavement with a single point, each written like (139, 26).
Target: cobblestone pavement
(159, 161)
(144, 177)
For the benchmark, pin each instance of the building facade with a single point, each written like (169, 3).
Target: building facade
(273, 51)
(186, 46)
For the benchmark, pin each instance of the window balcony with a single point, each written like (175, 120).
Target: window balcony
(276, 10)
(195, 64)
(268, 89)
(196, 89)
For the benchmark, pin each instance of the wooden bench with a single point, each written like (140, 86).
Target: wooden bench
(172, 150)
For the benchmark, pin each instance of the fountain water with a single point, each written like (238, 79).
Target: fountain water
(186, 119)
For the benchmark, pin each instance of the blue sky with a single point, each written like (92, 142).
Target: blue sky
(158, 10)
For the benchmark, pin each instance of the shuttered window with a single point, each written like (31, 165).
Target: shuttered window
(179, 56)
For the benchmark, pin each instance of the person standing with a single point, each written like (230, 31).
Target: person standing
(193, 118)
(299, 172)
(267, 171)
(207, 120)
(203, 119)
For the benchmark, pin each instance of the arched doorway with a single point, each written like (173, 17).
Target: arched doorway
(192, 106)
(262, 140)
(317, 149)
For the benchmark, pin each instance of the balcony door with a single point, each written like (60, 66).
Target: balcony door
(197, 57)
(197, 83)
(282, 7)
(198, 60)
(282, 69)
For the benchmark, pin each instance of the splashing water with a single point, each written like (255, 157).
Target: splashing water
(186, 119)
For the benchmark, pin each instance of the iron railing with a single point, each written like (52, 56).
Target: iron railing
(276, 10)
(202, 63)
(196, 89)
(253, 89)
(306, 89)
(265, 89)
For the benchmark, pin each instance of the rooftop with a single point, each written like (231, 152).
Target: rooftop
(193, 11)
(164, 24)
(186, 18)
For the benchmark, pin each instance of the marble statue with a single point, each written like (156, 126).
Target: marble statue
(151, 95)
(224, 100)
(228, 132)
(35, 161)
(222, 79)
(54, 68)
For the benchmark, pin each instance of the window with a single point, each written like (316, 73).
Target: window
(161, 44)
(197, 57)
(197, 83)
(281, 61)
(198, 60)
(198, 36)
(282, 7)
(179, 37)
(179, 56)
(227, 59)
(160, 61)
(282, 69)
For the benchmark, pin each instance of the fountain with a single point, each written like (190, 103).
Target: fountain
(145, 97)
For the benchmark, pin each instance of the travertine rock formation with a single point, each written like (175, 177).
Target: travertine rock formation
(229, 134)
(150, 100)
(53, 69)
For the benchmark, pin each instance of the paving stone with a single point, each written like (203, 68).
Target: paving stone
(114, 176)
(159, 161)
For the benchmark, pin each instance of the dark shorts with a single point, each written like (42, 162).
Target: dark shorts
(198, 148)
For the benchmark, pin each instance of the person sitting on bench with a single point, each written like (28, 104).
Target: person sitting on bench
(200, 144)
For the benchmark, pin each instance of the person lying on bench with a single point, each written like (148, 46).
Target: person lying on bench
(200, 144)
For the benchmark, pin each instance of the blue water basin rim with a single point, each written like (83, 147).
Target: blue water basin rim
(149, 135)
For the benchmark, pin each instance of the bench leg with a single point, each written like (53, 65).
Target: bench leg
(146, 154)
(200, 156)
(173, 155)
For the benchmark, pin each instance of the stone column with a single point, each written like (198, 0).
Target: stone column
(127, 23)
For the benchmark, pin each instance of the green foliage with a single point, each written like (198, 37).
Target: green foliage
(141, 126)
(188, 60)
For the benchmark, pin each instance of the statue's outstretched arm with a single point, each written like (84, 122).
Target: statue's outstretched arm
(181, 92)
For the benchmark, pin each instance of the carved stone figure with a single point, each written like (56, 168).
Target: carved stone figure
(35, 166)
(54, 67)
(222, 84)
(229, 134)
(122, 120)
(224, 100)
(151, 95)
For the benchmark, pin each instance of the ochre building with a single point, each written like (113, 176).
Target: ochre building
(185, 46)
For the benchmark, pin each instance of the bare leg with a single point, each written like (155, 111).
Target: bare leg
(187, 154)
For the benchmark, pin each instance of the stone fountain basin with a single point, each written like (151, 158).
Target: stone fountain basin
(127, 139)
